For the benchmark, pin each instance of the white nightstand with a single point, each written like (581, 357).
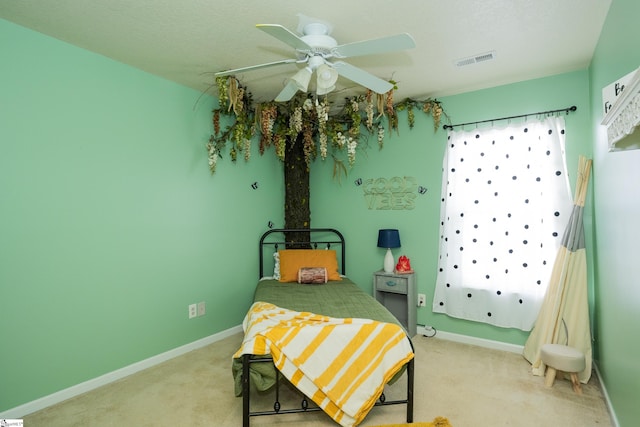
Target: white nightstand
(397, 292)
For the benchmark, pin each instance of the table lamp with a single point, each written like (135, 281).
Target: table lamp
(388, 238)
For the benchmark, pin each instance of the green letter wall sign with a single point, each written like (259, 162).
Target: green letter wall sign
(397, 193)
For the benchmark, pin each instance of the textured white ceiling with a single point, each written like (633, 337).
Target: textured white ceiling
(186, 41)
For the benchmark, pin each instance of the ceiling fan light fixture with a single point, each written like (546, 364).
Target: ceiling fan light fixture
(302, 79)
(326, 77)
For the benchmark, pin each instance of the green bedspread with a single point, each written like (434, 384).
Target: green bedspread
(334, 299)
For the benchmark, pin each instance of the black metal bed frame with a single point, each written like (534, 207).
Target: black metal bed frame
(335, 239)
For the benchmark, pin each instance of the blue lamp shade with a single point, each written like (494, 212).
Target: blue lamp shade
(388, 238)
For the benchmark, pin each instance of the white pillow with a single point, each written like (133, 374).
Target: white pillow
(276, 265)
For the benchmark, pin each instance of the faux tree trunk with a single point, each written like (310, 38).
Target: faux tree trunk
(297, 213)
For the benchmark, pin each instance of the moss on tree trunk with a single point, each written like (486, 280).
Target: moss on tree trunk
(297, 212)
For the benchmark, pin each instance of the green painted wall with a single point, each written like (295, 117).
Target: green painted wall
(418, 153)
(110, 222)
(617, 210)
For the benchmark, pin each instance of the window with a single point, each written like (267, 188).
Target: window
(505, 204)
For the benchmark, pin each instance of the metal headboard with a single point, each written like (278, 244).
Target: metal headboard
(308, 238)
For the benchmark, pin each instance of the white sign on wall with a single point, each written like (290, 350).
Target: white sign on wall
(622, 113)
(611, 92)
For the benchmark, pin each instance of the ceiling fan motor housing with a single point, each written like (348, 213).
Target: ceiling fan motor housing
(320, 44)
(317, 36)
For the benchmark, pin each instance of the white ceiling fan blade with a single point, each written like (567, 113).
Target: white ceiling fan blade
(362, 77)
(255, 67)
(287, 93)
(371, 47)
(285, 35)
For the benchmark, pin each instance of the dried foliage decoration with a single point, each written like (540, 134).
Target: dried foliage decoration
(330, 130)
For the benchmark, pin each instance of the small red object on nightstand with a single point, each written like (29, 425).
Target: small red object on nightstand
(404, 265)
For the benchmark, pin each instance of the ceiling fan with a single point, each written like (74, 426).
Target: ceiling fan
(317, 49)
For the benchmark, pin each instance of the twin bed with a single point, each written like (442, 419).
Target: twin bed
(327, 337)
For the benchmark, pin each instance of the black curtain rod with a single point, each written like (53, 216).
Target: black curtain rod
(566, 110)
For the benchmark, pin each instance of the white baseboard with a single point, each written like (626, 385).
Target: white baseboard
(59, 396)
(465, 339)
(612, 413)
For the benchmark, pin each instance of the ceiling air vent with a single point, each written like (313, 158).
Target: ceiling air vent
(476, 58)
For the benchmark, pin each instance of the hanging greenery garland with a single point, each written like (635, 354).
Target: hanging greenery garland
(326, 130)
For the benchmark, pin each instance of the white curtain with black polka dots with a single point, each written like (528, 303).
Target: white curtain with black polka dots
(505, 203)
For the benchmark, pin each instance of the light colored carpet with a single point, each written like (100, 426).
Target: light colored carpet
(471, 386)
(437, 422)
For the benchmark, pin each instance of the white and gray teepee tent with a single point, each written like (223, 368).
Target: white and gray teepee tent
(564, 314)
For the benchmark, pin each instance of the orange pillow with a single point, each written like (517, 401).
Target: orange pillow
(292, 260)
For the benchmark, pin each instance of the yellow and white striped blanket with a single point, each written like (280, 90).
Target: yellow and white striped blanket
(340, 364)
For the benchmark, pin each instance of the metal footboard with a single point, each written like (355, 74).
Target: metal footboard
(247, 360)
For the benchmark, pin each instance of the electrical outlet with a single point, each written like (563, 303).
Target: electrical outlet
(202, 308)
(193, 310)
(422, 300)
